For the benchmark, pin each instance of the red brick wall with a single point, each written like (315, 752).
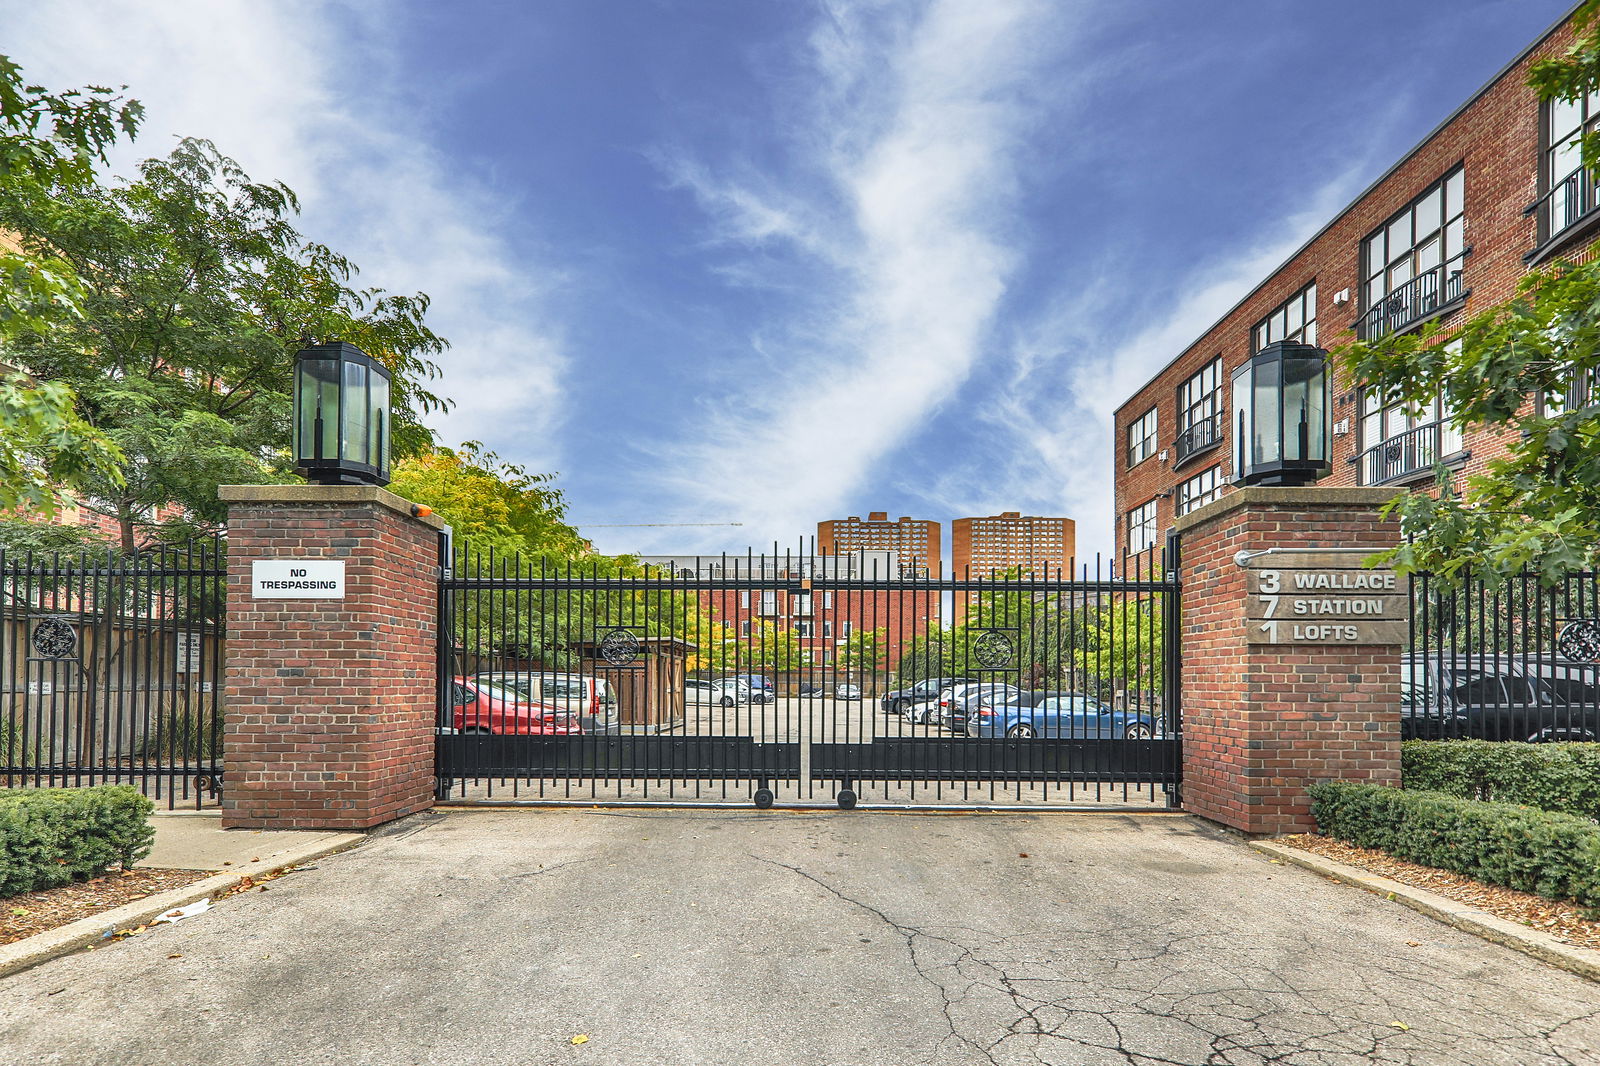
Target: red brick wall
(330, 704)
(1261, 722)
(1497, 141)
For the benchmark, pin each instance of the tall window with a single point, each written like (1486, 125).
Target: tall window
(1142, 527)
(1570, 189)
(1142, 438)
(1293, 320)
(1200, 411)
(1398, 441)
(1411, 265)
(1199, 490)
(805, 629)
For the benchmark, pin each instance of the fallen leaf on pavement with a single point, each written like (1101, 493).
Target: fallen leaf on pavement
(580, 1039)
(1400, 1025)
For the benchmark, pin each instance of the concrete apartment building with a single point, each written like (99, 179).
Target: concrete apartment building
(915, 541)
(820, 619)
(1446, 232)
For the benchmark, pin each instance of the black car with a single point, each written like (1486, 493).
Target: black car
(1498, 697)
(896, 702)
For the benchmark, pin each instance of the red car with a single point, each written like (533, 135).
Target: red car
(482, 708)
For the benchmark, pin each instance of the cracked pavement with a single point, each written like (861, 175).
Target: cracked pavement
(495, 937)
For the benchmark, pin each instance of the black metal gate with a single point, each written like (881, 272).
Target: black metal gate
(800, 679)
(111, 670)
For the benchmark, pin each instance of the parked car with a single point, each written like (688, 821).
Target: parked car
(722, 692)
(590, 698)
(479, 707)
(811, 688)
(761, 688)
(928, 688)
(1498, 697)
(926, 711)
(1067, 715)
(847, 692)
(962, 701)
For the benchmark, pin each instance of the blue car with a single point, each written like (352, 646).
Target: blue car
(1065, 715)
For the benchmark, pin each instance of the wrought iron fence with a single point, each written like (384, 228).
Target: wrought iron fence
(111, 670)
(1513, 660)
(795, 677)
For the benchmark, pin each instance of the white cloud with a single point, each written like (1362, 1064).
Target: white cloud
(1050, 445)
(902, 194)
(298, 92)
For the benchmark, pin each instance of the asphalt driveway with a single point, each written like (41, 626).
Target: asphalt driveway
(772, 938)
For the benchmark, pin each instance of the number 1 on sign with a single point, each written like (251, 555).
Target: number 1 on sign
(1270, 629)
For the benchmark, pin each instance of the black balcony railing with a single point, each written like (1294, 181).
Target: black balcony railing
(1407, 453)
(1199, 436)
(1417, 298)
(1569, 200)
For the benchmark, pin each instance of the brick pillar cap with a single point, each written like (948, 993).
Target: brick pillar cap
(1287, 497)
(297, 495)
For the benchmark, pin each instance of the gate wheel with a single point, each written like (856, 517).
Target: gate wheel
(763, 799)
(846, 799)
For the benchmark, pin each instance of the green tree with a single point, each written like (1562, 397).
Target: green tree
(196, 291)
(48, 140)
(1538, 507)
(863, 650)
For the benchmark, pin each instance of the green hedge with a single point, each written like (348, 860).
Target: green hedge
(1552, 777)
(53, 836)
(1554, 855)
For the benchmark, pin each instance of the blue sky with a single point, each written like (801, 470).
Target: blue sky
(775, 262)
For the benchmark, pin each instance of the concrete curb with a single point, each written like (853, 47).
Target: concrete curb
(86, 932)
(1582, 961)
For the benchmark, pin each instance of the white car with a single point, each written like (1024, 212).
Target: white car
(724, 693)
(589, 698)
(847, 692)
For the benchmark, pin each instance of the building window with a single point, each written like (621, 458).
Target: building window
(1569, 188)
(848, 628)
(1583, 390)
(1142, 527)
(1398, 441)
(1198, 490)
(769, 601)
(1293, 320)
(1200, 411)
(1411, 265)
(1142, 438)
(805, 629)
(744, 628)
(827, 629)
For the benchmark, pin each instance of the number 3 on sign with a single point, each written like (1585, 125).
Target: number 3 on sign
(1270, 629)
(1271, 581)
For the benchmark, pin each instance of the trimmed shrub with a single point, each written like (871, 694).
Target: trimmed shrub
(54, 836)
(1551, 777)
(1554, 855)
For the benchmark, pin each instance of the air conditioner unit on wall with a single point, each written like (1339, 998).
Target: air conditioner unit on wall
(1341, 297)
(1341, 427)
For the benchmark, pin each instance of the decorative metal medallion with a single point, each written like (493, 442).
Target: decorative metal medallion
(54, 638)
(619, 647)
(1579, 641)
(992, 650)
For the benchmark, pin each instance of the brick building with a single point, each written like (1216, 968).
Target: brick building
(1036, 546)
(1446, 232)
(915, 541)
(820, 620)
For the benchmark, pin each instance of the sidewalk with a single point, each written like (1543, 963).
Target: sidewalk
(195, 840)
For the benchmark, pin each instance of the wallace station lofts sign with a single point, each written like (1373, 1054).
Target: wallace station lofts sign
(1325, 597)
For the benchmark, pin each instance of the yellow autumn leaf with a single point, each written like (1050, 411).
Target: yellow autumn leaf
(581, 1038)
(1400, 1025)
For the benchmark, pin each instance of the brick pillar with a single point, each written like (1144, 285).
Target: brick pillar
(329, 702)
(1261, 721)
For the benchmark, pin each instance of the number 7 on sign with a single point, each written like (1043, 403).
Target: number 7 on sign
(1271, 602)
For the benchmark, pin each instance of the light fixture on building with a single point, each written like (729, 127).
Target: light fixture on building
(341, 415)
(1280, 416)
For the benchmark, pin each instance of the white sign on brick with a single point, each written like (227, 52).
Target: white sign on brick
(297, 579)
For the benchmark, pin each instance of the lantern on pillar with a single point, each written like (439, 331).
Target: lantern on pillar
(1280, 416)
(341, 415)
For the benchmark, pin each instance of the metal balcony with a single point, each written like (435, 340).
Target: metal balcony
(1200, 436)
(1416, 299)
(1409, 453)
(1568, 202)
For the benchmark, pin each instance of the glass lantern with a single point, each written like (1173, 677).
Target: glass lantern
(341, 415)
(1280, 416)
